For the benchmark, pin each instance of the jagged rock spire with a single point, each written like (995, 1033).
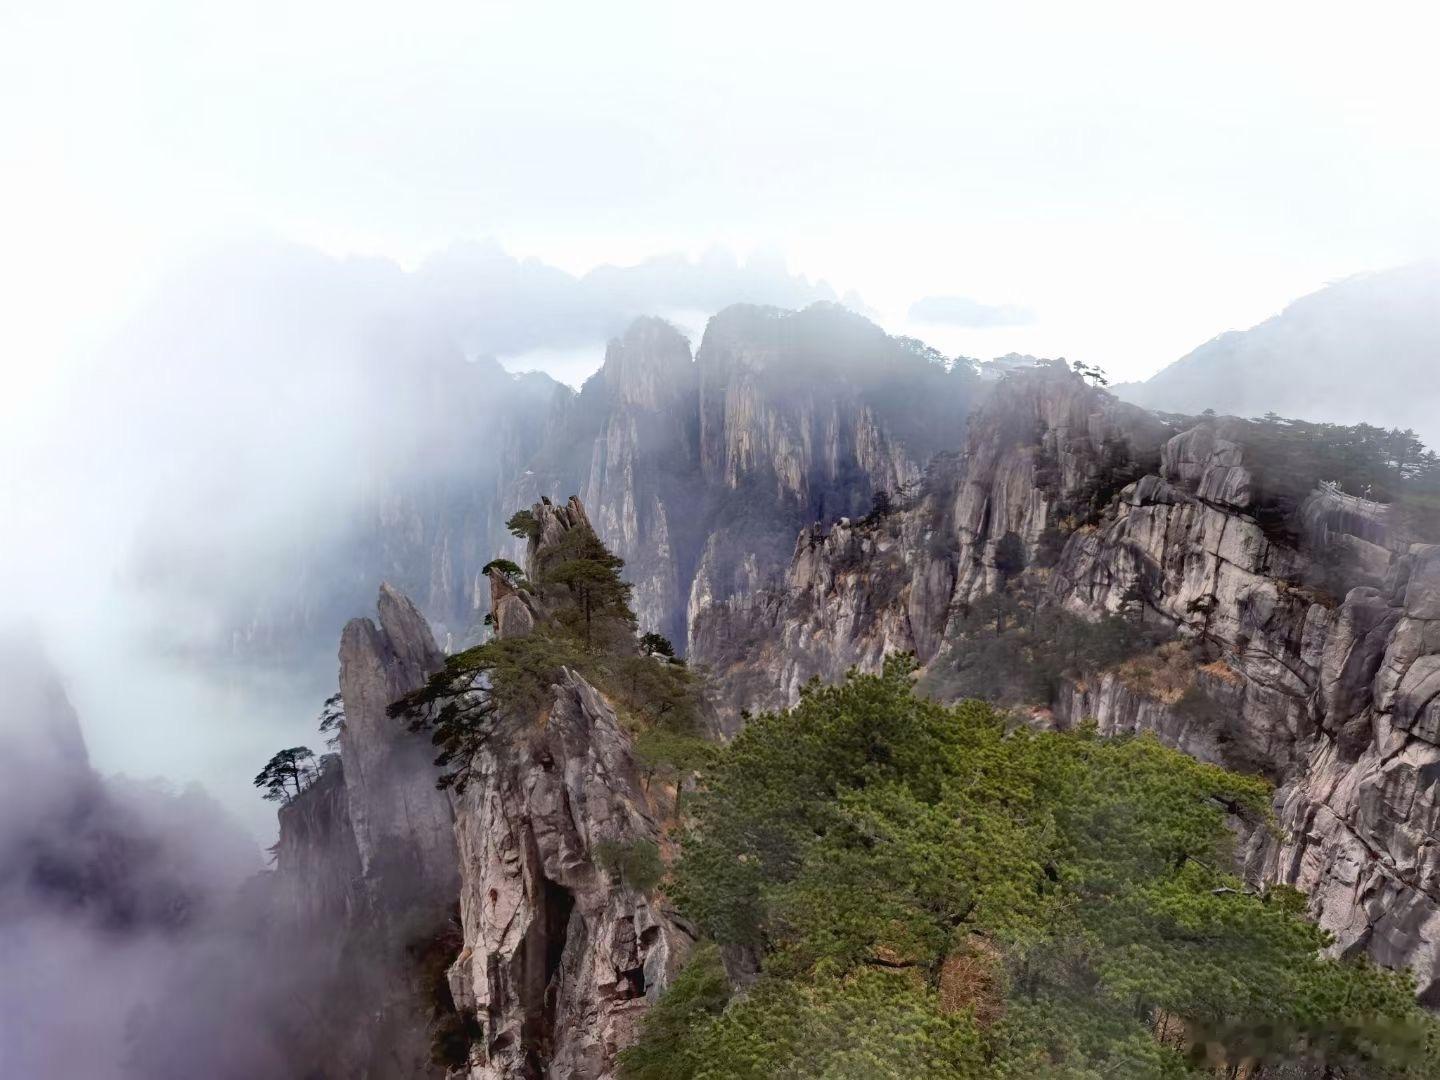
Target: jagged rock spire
(560, 958)
(403, 825)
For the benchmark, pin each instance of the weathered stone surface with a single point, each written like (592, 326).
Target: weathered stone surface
(1119, 709)
(403, 825)
(1209, 466)
(1422, 589)
(699, 472)
(366, 862)
(1339, 702)
(867, 587)
(560, 959)
(317, 863)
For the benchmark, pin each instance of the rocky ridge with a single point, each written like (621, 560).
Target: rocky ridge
(366, 865)
(560, 958)
(554, 957)
(1336, 698)
(698, 470)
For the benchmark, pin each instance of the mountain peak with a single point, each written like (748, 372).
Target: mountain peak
(649, 364)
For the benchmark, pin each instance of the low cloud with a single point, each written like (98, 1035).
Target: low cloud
(223, 480)
(962, 311)
(137, 930)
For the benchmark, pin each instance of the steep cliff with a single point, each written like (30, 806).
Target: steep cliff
(366, 874)
(403, 826)
(1041, 456)
(699, 472)
(1317, 642)
(561, 955)
(317, 862)
(555, 953)
(328, 423)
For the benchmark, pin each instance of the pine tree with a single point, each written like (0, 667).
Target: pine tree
(287, 774)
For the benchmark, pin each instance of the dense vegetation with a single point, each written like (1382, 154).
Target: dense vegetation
(585, 625)
(1289, 458)
(924, 895)
(1292, 456)
(1010, 649)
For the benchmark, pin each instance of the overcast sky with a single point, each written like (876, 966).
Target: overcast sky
(1134, 177)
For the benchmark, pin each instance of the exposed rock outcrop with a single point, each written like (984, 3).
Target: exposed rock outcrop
(558, 954)
(366, 866)
(404, 827)
(317, 861)
(698, 473)
(1338, 700)
(1039, 455)
(560, 957)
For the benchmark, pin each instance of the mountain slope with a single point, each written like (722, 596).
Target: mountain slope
(1363, 349)
(699, 472)
(1310, 654)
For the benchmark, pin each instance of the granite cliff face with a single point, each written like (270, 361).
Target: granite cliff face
(1033, 461)
(317, 861)
(1336, 698)
(698, 472)
(366, 872)
(697, 469)
(551, 958)
(560, 958)
(403, 826)
(350, 421)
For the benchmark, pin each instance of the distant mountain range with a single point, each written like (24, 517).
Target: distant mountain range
(1363, 349)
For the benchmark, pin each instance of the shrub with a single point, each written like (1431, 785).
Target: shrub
(635, 863)
(523, 524)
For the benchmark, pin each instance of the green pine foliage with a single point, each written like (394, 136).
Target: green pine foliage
(287, 774)
(509, 570)
(634, 863)
(332, 718)
(1290, 457)
(653, 644)
(863, 1025)
(1009, 649)
(670, 1049)
(930, 895)
(524, 525)
(598, 610)
(588, 627)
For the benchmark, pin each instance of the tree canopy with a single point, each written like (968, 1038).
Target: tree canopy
(585, 625)
(507, 569)
(1010, 649)
(1289, 457)
(523, 524)
(590, 573)
(287, 774)
(332, 718)
(929, 896)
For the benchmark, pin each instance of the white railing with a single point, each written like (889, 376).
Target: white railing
(1352, 502)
